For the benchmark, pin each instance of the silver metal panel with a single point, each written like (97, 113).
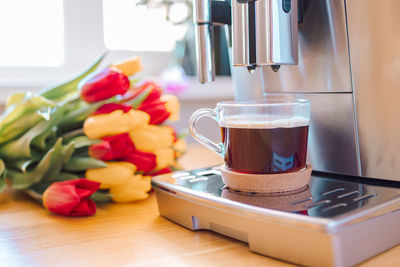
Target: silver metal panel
(202, 11)
(266, 27)
(323, 64)
(240, 34)
(276, 31)
(332, 141)
(316, 226)
(204, 40)
(374, 34)
(284, 34)
(246, 86)
(205, 52)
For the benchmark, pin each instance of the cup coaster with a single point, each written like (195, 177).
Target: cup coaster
(293, 201)
(266, 183)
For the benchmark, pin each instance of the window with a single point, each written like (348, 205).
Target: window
(48, 41)
(139, 28)
(32, 35)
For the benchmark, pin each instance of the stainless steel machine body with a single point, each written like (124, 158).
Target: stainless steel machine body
(348, 65)
(331, 222)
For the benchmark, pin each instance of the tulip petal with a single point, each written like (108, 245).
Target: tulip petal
(144, 161)
(101, 151)
(151, 137)
(117, 173)
(85, 207)
(60, 199)
(70, 197)
(103, 85)
(172, 106)
(129, 66)
(157, 111)
(116, 122)
(165, 157)
(135, 189)
(110, 107)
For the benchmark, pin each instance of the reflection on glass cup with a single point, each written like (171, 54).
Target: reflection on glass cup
(263, 137)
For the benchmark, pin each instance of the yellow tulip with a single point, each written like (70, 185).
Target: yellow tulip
(113, 123)
(128, 66)
(151, 137)
(180, 147)
(164, 157)
(115, 174)
(172, 105)
(135, 188)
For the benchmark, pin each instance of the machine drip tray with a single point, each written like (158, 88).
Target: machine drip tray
(330, 222)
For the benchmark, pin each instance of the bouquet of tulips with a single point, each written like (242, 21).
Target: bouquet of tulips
(99, 137)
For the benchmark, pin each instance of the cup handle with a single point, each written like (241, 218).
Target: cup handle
(198, 114)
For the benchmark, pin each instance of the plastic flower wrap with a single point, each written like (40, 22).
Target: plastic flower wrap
(96, 138)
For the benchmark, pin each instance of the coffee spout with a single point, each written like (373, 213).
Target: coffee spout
(275, 68)
(264, 33)
(251, 69)
(204, 40)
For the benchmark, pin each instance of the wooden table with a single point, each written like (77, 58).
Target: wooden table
(124, 234)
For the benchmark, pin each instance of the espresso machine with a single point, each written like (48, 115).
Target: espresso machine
(343, 56)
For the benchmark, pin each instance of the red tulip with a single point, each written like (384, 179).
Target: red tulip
(70, 197)
(157, 111)
(153, 88)
(103, 85)
(110, 107)
(144, 161)
(154, 94)
(112, 147)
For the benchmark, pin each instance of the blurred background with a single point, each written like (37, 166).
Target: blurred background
(47, 41)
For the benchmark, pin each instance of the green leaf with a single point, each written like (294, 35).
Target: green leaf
(64, 176)
(2, 167)
(19, 127)
(80, 114)
(2, 175)
(101, 197)
(23, 165)
(21, 180)
(35, 194)
(48, 167)
(15, 98)
(40, 140)
(21, 148)
(24, 112)
(68, 136)
(67, 152)
(134, 103)
(182, 134)
(83, 163)
(83, 141)
(64, 89)
(23, 104)
(133, 81)
(56, 161)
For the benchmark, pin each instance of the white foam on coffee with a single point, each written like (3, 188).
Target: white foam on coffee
(263, 122)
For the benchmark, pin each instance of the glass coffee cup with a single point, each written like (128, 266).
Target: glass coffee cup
(259, 137)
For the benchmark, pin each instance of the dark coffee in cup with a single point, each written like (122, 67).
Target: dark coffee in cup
(254, 145)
